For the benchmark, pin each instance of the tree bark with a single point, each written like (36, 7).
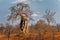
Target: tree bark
(25, 30)
(24, 24)
(21, 24)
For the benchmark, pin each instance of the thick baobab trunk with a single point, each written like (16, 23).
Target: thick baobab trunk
(24, 24)
(21, 24)
(25, 29)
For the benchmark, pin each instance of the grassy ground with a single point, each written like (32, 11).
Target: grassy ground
(32, 36)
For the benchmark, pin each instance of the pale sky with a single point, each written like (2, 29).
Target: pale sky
(38, 6)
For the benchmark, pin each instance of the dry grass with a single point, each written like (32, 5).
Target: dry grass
(32, 36)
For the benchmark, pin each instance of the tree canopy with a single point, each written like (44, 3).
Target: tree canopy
(19, 10)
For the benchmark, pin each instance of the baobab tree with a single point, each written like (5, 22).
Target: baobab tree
(23, 11)
(49, 16)
(8, 30)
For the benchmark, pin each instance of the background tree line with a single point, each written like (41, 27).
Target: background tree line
(41, 26)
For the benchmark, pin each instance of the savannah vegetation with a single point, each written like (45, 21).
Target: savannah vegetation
(42, 30)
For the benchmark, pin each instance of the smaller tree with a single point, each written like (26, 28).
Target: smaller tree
(49, 16)
(8, 30)
(2, 28)
(58, 27)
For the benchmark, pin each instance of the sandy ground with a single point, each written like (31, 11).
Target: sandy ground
(33, 36)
